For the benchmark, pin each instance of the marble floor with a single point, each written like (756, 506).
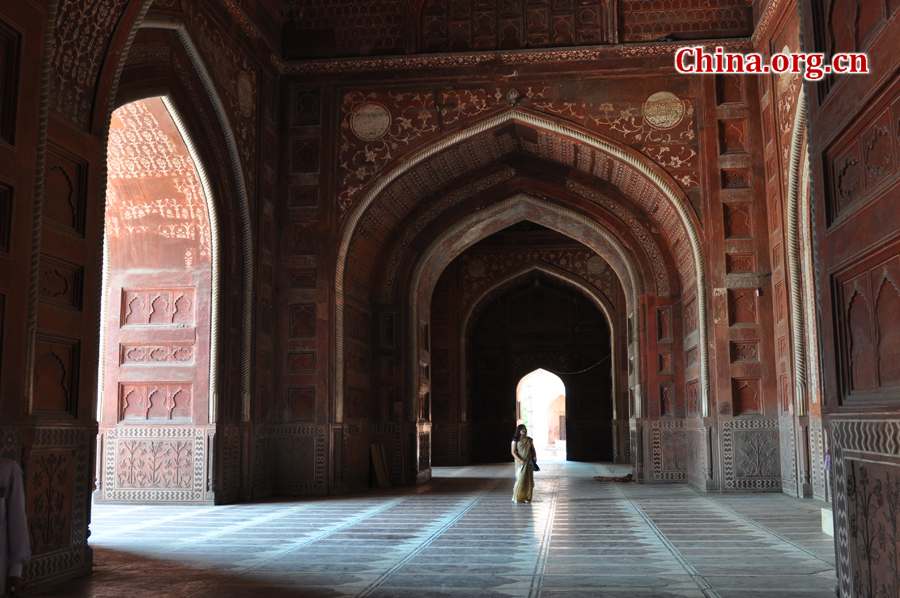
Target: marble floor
(460, 535)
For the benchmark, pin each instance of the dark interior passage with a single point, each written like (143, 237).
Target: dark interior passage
(541, 325)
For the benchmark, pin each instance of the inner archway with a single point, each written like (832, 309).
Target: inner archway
(541, 406)
(160, 302)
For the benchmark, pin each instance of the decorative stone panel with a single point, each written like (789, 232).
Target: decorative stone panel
(292, 458)
(670, 450)
(159, 465)
(751, 456)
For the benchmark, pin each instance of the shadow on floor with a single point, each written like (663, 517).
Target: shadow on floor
(123, 575)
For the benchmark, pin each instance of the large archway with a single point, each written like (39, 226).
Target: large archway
(203, 437)
(640, 184)
(471, 185)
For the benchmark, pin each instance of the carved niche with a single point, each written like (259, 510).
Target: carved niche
(738, 224)
(304, 106)
(742, 307)
(745, 396)
(302, 320)
(304, 156)
(733, 136)
(56, 372)
(65, 193)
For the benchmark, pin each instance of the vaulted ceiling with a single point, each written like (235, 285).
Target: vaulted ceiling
(345, 28)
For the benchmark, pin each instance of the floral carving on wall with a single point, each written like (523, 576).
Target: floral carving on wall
(155, 464)
(81, 37)
(153, 186)
(873, 496)
(407, 119)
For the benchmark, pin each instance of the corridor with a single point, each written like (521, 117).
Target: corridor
(460, 535)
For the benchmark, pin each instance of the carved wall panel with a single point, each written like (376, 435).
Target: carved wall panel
(304, 106)
(742, 306)
(738, 221)
(156, 402)
(733, 136)
(49, 491)
(868, 295)
(745, 351)
(304, 155)
(750, 454)
(157, 307)
(301, 403)
(865, 466)
(863, 160)
(693, 398)
(304, 196)
(301, 361)
(57, 484)
(730, 89)
(61, 281)
(669, 450)
(291, 459)
(146, 464)
(302, 320)
(740, 263)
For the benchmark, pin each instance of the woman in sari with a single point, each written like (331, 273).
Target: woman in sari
(523, 452)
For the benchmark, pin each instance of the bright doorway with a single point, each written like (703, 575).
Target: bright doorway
(541, 406)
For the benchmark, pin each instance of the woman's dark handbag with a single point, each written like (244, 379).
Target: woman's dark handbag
(534, 465)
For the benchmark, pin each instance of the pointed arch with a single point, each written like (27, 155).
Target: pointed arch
(644, 173)
(588, 290)
(237, 172)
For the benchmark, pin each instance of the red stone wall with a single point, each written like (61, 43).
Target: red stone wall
(854, 177)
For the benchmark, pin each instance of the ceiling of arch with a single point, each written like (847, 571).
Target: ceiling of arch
(427, 180)
(334, 28)
(509, 251)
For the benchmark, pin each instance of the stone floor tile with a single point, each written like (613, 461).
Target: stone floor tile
(459, 535)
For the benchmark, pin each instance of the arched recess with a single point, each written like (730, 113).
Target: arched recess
(638, 179)
(568, 279)
(482, 224)
(208, 133)
(237, 174)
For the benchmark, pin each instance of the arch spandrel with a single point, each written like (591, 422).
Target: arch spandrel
(644, 184)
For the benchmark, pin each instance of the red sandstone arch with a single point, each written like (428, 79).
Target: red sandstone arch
(422, 174)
